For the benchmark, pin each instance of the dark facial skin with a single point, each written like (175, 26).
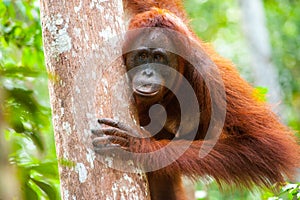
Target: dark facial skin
(150, 72)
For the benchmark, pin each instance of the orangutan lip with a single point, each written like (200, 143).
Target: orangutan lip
(145, 94)
(147, 89)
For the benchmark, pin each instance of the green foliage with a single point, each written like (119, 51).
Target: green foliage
(23, 81)
(212, 192)
(292, 191)
(260, 93)
(289, 191)
(284, 21)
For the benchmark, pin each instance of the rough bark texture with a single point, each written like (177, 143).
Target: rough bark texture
(81, 43)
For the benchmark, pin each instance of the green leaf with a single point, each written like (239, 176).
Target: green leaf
(260, 94)
(47, 188)
(29, 193)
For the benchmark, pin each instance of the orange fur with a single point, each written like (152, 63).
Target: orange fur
(255, 148)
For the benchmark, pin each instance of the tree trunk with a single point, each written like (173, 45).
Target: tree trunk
(82, 50)
(265, 73)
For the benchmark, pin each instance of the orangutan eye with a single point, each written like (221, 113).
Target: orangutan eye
(143, 56)
(159, 58)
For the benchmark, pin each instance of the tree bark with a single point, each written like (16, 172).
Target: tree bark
(82, 50)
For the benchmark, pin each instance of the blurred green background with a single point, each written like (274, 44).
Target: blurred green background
(28, 164)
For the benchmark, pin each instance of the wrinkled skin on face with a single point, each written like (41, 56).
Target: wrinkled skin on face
(151, 74)
(152, 69)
